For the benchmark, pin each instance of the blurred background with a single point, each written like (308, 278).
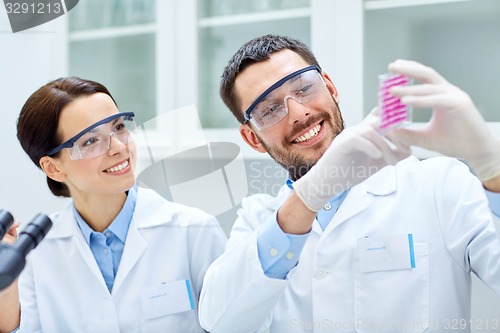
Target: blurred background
(156, 56)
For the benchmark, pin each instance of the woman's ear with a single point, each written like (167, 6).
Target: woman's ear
(51, 168)
(331, 87)
(248, 134)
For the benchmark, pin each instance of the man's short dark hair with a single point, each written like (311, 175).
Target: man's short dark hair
(256, 50)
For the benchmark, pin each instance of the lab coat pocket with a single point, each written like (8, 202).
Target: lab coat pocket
(392, 298)
(167, 299)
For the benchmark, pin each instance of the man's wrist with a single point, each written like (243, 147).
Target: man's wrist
(294, 217)
(492, 185)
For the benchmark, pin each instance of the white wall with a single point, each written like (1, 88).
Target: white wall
(27, 61)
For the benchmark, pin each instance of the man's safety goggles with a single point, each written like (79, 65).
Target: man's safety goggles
(271, 106)
(95, 140)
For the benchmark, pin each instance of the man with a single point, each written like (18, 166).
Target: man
(382, 247)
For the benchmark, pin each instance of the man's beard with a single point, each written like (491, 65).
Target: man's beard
(296, 165)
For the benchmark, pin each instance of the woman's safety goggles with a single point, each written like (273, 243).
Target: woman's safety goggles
(271, 106)
(96, 139)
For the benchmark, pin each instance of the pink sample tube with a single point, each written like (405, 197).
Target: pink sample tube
(393, 113)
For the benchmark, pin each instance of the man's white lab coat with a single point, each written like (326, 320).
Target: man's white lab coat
(438, 201)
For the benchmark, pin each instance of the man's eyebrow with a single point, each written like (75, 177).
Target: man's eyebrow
(296, 77)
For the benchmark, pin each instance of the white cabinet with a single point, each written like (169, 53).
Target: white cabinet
(223, 26)
(156, 56)
(113, 42)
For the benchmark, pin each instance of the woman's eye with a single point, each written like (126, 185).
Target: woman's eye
(119, 127)
(89, 142)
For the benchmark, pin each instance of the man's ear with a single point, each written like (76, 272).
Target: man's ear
(51, 168)
(248, 134)
(331, 87)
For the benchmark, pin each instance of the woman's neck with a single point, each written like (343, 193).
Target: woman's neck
(99, 211)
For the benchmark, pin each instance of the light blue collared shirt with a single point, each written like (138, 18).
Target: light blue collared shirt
(494, 201)
(107, 246)
(279, 252)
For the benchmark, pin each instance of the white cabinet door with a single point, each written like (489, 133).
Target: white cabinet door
(223, 27)
(114, 42)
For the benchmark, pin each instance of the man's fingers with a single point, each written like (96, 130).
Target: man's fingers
(416, 70)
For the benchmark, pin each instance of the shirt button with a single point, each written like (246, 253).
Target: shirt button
(273, 252)
(328, 206)
(108, 234)
(105, 251)
(320, 274)
(290, 255)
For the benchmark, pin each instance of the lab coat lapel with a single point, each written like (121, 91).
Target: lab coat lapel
(356, 201)
(65, 226)
(360, 196)
(135, 245)
(151, 210)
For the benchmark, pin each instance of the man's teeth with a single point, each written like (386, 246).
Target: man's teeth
(118, 167)
(312, 133)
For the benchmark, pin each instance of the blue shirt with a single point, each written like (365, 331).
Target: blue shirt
(494, 201)
(279, 252)
(107, 247)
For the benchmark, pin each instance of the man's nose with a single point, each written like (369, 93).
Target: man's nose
(297, 112)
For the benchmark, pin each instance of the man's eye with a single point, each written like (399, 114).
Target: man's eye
(271, 110)
(305, 89)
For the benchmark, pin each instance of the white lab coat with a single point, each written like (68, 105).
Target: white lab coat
(436, 200)
(62, 289)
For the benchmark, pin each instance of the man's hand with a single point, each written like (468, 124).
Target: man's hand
(456, 128)
(354, 155)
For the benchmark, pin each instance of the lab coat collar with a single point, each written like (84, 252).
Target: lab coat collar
(159, 211)
(66, 226)
(151, 210)
(382, 183)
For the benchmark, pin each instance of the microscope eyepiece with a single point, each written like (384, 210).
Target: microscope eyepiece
(6, 221)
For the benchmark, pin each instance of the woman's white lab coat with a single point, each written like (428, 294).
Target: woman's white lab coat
(62, 289)
(438, 201)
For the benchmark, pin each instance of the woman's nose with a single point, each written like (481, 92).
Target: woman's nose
(115, 144)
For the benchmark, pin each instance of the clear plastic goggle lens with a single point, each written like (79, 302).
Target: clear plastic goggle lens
(273, 108)
(99, 139)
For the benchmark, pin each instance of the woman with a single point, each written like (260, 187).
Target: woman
(119, 258)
